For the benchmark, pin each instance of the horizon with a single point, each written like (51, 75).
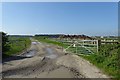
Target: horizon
(92, 19)
(56, 34)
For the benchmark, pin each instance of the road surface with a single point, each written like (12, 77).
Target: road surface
(42, 60)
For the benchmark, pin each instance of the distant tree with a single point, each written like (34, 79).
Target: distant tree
(5, 45)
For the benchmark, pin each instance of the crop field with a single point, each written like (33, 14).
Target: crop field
(16, 45)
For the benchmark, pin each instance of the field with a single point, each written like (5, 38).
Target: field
(106, 59)
(16, 45)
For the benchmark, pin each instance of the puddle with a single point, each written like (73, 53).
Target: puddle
(30, 53)
(50, 53)
(34, 43)
(39, 43)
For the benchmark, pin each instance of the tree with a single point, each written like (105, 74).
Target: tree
(5, 45)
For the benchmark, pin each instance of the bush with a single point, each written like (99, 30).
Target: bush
(5, 43)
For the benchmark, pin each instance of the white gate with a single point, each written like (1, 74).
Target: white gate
(82, 43)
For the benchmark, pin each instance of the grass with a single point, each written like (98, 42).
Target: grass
(107, 63)
(80, 50)
(50, 41)
(17, 44)
(109, 70)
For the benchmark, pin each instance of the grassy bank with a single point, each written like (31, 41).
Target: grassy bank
(16, 45)
(106, 59)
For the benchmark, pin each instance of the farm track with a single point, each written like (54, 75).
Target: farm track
(48, 61)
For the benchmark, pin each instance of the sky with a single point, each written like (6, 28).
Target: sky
(60, 0)
(89, 18)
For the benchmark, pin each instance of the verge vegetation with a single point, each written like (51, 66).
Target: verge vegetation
(106, 59)
(16, 45)
(50, 41)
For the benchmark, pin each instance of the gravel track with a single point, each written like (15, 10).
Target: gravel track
(48, 61)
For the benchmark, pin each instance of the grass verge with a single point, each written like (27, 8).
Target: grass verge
(16, 45)
(48, 40)
(106, 60)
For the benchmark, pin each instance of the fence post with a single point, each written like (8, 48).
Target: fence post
(76, 48)
(98, 45)
(25, 47)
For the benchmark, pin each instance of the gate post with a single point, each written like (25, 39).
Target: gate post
(98, 45)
